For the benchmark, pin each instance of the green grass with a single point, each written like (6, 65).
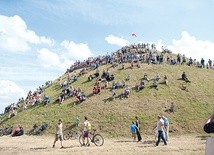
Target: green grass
(113, 118)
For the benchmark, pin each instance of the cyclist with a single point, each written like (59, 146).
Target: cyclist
(86, 131)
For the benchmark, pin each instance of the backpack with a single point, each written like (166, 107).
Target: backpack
(88, 127)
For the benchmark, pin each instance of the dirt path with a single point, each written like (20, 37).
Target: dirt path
(33, 145)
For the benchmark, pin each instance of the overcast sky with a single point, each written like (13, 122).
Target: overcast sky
(39, 39)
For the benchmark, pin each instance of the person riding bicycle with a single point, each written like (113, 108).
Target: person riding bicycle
(86, 131)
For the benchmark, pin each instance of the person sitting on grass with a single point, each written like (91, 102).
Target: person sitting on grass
(105, 84)
(61, 98)
(145, 77)
(132, 64)
(95, 90)
(78, 97)
(184, 77)
(83, 97)
(127, 91)
(165, 80)
(114, 94)
(133, 129)
(123, 67)
(98, 89)
(128, 77)
(46, 99)
(140, 86)
(109, 77)
(90, 78)
(75, 79)
(122, 95)
(184, 87)
(123, 84)
(97, 73)
(115, 85)
(157, 77)
(17, 131)
(155, 84)
(138, 64)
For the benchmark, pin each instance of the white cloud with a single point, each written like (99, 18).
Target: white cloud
(48, 58)
(16, 37)
(75, 51)
(159, 45)
(193, 47)
(8, 92)
(111, 39)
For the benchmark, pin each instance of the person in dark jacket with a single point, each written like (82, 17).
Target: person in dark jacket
(137, 123)
(209, 125)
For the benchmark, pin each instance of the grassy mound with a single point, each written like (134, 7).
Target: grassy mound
(113, 118)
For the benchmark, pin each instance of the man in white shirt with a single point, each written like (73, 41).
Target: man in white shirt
(59, 133)
(86, 132)
(160, 128)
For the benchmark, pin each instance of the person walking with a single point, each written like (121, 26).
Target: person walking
(160, 128)
(59, 133)
(133, 129)
(166, 126)
(137, 123)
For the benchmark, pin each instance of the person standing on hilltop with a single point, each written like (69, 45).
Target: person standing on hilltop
(59, 133)
(160, 128)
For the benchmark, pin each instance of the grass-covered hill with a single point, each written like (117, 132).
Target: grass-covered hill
(113, 118)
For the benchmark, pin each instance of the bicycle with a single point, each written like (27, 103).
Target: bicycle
(71, 135)
(6, 131)
(97, 139)
(38, 130)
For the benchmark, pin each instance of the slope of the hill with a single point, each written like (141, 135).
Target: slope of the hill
(113, 118)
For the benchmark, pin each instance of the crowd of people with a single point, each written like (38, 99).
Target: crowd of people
(135, 55)
(33, 98)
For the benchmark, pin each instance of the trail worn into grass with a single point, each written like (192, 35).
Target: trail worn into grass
(33, 145)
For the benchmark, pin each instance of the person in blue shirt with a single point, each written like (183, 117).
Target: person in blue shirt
(133, 129)
(166, 126)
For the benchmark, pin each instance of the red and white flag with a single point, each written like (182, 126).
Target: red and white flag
(134, 34)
